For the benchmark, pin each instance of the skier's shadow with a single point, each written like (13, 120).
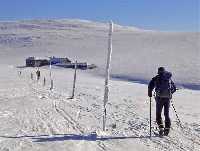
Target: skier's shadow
(91, 137)
(64, 137)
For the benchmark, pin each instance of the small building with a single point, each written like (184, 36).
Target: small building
(56, 60)
(81, 65)
(60, 62)
(36, 62)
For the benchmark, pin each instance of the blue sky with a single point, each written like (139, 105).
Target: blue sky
(174, 15)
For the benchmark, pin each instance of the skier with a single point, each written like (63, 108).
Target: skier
(164, 88)
(38, 74)
(20, 73)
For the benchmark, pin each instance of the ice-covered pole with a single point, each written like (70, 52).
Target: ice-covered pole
(50, 75)
(107, 73)
(74, 82)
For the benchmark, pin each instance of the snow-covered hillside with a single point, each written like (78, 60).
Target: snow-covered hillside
(33, 118)
(136, 53)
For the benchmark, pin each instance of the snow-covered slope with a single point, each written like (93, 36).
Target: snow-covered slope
(136, 53)
(34, 118)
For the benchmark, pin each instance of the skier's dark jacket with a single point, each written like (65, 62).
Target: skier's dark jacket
(152, 84)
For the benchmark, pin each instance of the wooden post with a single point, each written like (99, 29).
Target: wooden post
(44, 81)
(51, 88)
(106, 91)
(74, 82)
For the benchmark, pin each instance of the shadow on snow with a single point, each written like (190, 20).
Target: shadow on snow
(64, 137)
(143, 81)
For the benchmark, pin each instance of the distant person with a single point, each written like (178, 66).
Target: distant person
(20, 73)
(38, 74)
(164, 88)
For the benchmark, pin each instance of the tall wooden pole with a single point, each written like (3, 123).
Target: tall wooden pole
(106, 92)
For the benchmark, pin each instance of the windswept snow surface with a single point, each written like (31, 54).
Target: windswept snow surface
(34, 118)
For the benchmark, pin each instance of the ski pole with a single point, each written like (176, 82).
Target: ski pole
(176, 114)
(150, 117)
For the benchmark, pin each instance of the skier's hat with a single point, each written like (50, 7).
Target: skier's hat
(161, 70)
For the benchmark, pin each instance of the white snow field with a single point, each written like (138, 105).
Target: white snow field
(33, 118)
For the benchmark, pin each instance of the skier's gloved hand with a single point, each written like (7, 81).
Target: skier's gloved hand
(150, 94)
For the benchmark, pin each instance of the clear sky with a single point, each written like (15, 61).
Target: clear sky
(174, 15)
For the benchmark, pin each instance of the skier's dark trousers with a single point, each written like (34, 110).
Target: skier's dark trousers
(164, 88)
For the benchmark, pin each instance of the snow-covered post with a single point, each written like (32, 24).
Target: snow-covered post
(50, 74)
(107, 73)
(31, 76)
(44, 81)
(74, 83)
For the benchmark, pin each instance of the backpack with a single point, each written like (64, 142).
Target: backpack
(163, 85)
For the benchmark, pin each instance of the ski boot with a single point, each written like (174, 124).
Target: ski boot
(166, 131)
(161, 129)
(161, 132)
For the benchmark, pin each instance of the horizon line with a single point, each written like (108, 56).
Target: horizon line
(97, 21)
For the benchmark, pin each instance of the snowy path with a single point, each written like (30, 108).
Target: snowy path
(34, 118)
